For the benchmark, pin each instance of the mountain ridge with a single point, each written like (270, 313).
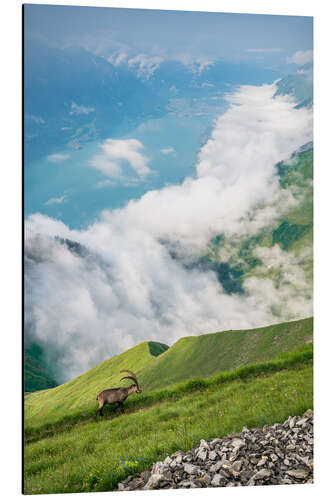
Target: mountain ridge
(198, 356)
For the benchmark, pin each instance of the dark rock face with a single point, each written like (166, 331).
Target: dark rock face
(277, 454)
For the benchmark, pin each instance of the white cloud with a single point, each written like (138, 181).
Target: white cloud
(301, 57)
(146, 65)
(124, 286)
(77, 109)
(118, 58)
(201, 63)
(115, 152)
(167, 151)
(56, 201)
(58, 157)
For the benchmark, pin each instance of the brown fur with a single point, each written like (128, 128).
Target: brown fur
(118, 395)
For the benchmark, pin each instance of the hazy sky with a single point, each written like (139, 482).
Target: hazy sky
(106, 31)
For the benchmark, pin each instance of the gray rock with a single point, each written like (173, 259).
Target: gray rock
(187, 484)
(155, 481)
(302, 422)
(298, 473)
(262, 474)
(238, 443)
(204, 444)
(277, 454)
(262, 461)
(202, 455)
(236, 466)
(216, 467)
(217, 480)
(191, 469)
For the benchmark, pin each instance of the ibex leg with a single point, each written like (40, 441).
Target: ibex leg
(100, 410)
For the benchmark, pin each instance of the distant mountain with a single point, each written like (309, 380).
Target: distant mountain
(37, 374)
(72, 96)
(174, 79)
(292, 232)
(298, 85)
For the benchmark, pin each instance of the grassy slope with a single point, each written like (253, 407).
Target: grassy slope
(204, 355)
(82, 390)
(199, 356)
(79, 459)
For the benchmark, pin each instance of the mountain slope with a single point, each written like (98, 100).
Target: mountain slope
(189, 357)
(205, 355)
(82, 390)
(73, 96)
(36, 373)
(90, 455)
(286, 240)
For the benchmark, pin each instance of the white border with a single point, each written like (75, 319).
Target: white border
(11, 241)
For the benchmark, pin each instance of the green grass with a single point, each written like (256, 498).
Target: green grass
(199, 356)
(204, 355)
(171, 393)
(97, 455)
(287, 234)
(77, 393)
(200, 388)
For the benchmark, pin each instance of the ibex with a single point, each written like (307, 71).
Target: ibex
(118, 395)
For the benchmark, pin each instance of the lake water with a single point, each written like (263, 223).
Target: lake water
(74, 187)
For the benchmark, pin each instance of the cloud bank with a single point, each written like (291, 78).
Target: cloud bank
(121, 284)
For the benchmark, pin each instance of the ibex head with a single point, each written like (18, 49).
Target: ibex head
(132, 376)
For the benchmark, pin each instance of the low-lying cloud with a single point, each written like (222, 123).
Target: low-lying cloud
(122, 284)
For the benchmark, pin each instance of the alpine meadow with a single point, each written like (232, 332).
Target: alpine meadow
(168, 251)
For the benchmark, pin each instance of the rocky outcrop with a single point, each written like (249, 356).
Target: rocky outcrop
(277, 454)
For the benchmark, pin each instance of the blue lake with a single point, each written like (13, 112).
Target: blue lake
(183, 130)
